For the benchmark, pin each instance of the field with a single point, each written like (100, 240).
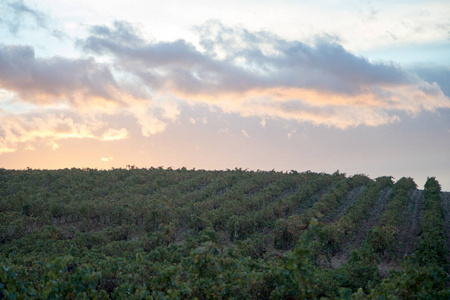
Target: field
(176, 234)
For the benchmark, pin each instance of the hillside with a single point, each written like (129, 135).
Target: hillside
(175, 234)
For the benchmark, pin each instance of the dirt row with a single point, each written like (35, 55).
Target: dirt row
(409, 228)
(372, 219)
(379, 207)
(351, 198)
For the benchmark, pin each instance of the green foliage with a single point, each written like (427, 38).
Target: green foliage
(62, 278)
(414, 282)
(185, 234)
(405, 184)
(358, 180)
(383, 238)
(384, 182)
(361, 270)
(287, 232)
(299, 262)
(334, 235)
(431, 246)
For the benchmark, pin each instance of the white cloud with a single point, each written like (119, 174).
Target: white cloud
(53, 144)
(30, 148)
(115, 134)
(5, 148)
(263, 122)
(32, 127)
(291, 133)
(148, 122)
(224, 130)
(107, 159)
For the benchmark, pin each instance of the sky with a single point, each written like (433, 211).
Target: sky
(362, 87)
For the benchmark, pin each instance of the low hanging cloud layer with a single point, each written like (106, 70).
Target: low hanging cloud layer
(257, 73)
(53, 80)
(233, 69)
(27, 129)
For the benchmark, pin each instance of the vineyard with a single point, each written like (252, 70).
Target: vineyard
(184, 234)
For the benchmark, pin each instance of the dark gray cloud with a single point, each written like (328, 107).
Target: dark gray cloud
(236, 60)
(122, 32)
(157, 64)
(261, 74)
(55, 79)
(438, 74)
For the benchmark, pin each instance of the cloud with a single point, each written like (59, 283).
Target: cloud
(248, 61)
(232, 70)
(30, 148)
(16, 129)
(258, 73)
(107, 159)
(154, 117)
(49, 126)
(115, 134)
(291, 133)
(80, 86)
(16, 15)
(263, 122)
(81, 82)
(438, 74)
